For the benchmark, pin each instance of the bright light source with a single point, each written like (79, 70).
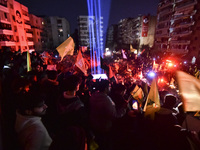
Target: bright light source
(6, 67)
(151, 74)
(60, 30)
(161, 80)
(170, 64)
(174, 65)
(100, 76)
(185, 62)
(135, 105)
(56, 56)
(108, 53)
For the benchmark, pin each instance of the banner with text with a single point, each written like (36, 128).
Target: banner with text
(145, 22)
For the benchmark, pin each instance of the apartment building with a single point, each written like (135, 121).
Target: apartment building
(111, 37)
(178, 27)
(37, 28)
(137, 31)
(56, 30)
(15, 29)
(90, 31)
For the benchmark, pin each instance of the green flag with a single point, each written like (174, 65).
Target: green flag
(28, 61)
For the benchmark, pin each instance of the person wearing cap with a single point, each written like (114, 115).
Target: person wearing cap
(31, 133)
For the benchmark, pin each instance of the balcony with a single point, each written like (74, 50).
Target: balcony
(185, 5)
(30, 43)
(181, 15)
(3, 8)
(29, 35)
(27, 26)
(181, 34)
(182, 25)
(5, 20)
(180, 42)
(24, 8)
(6, 32)
(168, 3)
(26, 18)
(162, 42)
(167, 11)
(177, 1)
(7, 43)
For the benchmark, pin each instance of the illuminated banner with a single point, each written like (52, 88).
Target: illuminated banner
(145, 21)
(20, 25)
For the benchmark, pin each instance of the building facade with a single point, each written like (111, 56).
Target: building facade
(88, 28)
(37, 27)
(57, 30)
(111, 37)
(15, 29)
(178, 27)
(136, 32)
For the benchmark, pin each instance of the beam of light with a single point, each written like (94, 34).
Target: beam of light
(97, 24)
(94, 13)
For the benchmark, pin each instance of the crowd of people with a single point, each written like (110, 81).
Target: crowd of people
(64, 109)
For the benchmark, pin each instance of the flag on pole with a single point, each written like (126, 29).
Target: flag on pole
(66, 48)
(153, 101)
(112, 75)
(189, 87)
(80, 63)
(28, 59)
(123, 54)
(133, 50)
(138, 94)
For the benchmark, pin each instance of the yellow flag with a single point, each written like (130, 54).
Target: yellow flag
(66, 48)
(134, 90)
(153, 100)
(138, 94)
(189, 88)
(133, 50)
(80, 63)
(197, 74)
(28, 59)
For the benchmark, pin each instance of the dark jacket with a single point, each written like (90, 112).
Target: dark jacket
(72, 112)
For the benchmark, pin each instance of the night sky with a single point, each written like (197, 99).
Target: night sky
(113, 10)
